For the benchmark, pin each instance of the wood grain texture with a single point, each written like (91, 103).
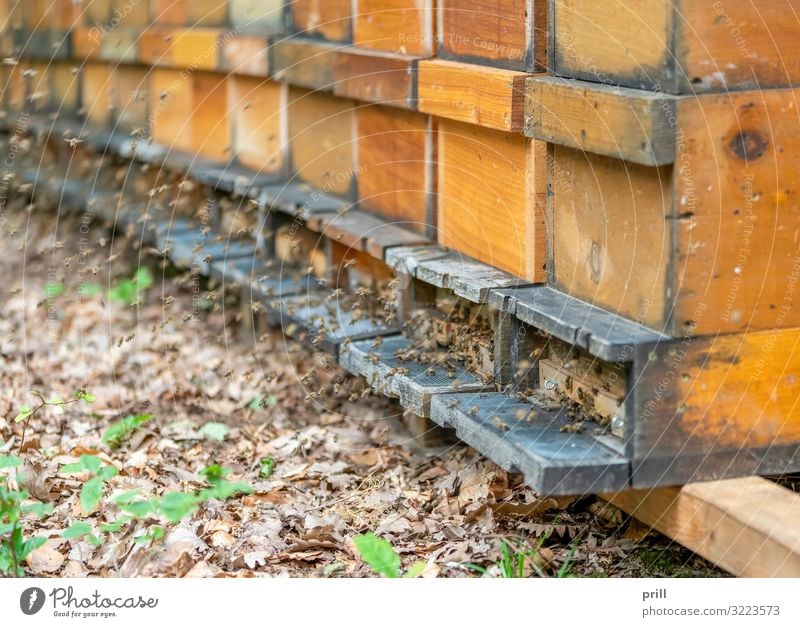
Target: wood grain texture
(394, 165)
(727, 393)
(633, 125)
(505, 33)
(678, 46)
(610, 241)
(708, 245)
(485, 96)
(321, 137)
(374, 76)
(488, 193)
(329, 19)
(737, 215)
(404, 26)
(746, 526)
(257, 118)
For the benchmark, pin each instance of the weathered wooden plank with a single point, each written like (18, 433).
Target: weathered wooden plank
(391, 368)
(300, 199)
(364, 232)
(374, 76)
(634, 125)
(246, 55)
(677, 46)
(605, 335)
(699, 247)
(725, 393)
(327, 323)
(746, 526)
(437, 266)
(506, 33)
(474, 94)
(527, 438)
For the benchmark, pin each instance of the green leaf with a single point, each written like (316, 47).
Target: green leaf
(225, 490)
(29, 546)
(85, 463)
(215, 431)
(175, 506)
(417, 568)
(10, 461)
(117, 433)
(139, 509)
(267, 466)
(76, 531)
(37, 509)
(153, 534)
(378, 554)
(25, 412)
(91, 493)
(83, 395)
(214, 473)
(114, 527)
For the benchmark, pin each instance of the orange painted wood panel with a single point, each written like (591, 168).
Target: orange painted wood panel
(489, 197)
(404, 26)
(131, 102)
(97, 93)
(395, 165)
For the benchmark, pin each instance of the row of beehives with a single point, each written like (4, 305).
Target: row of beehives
(625, 188)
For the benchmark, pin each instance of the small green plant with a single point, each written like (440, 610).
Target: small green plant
(379, 554)
(14, 505)
(120, 431)
(171, 507)
(92, 491)
(517, 562)
(267, 467)
(215, 431)
(128, 291)
(26, 412)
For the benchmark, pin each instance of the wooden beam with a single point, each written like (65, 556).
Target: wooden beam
(746, 526)
(475, 94)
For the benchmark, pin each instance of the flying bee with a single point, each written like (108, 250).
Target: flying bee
(473, 411)
(500, 424)
(378, 342)
(350, 263)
